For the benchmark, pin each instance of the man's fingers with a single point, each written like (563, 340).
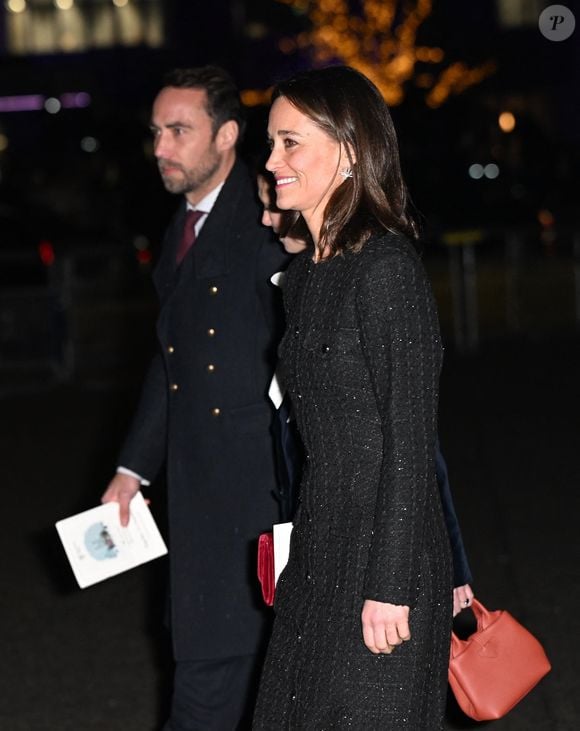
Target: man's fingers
(124, 511)
(122, 489)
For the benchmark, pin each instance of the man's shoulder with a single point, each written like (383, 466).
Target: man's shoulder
(239, 184)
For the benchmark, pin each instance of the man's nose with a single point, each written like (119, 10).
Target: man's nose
(160, 146)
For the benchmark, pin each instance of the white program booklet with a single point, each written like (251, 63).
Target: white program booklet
(282, 533)
(98, 546)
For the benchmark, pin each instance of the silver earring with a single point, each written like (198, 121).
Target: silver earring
(346, 173)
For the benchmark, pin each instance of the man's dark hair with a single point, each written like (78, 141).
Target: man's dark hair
(223, 98)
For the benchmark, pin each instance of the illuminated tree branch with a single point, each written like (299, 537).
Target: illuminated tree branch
(380, 40)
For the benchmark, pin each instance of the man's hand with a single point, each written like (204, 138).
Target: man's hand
(122, 489)
(384, 626)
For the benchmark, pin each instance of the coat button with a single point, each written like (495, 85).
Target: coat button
(170, 349)
(213, 290)
(216, 412)
(211, 332)
(174, 387)
(210, 367)
(325, 348)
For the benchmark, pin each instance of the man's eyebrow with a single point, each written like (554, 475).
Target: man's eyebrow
(171, 125)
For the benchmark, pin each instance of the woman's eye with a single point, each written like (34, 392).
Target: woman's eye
(289, 143)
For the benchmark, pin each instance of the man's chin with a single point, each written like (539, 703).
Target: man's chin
(173, 186)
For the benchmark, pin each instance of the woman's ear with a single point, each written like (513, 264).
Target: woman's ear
(347, 161)
(227, 135)
(348, 155)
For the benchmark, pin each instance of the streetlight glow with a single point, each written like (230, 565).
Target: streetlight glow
(506, 122)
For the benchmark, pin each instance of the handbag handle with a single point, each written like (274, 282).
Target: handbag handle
(484, 619)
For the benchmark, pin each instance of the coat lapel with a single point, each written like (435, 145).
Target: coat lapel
(211, 250)
(209, 255)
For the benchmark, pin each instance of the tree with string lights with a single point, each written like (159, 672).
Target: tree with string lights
(379, 38)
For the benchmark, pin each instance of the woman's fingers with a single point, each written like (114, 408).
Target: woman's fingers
(384, 626)
(462, 598)
(375, 639)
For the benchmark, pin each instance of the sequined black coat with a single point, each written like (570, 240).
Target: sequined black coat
(361, 357)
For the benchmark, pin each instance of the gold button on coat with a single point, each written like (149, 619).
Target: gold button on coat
(216, 412)
(211, 367)
(174, 387)
(170, 349)
(213, 290)
(211, 332)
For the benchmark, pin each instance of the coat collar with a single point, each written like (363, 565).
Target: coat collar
(210, 254)
(211, 250)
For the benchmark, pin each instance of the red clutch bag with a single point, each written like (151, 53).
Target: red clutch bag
(266, 566)
(494, 668)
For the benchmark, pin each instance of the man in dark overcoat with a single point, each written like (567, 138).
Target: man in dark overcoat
(204, 410)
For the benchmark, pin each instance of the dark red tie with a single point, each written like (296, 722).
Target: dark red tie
(188, 235)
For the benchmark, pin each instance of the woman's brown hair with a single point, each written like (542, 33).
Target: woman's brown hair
(350, 109)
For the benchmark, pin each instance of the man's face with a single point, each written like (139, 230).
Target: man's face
(185, 147)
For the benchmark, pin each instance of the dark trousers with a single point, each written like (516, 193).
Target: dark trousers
(214, 695)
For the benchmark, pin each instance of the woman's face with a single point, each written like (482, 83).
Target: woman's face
(305, 163)
(272, 217)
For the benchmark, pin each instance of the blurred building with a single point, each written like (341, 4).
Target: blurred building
(73, 26)
(77, 78)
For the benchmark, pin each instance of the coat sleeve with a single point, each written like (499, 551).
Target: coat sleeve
(271, 259)
(145, 446)
(400, 339)
(461, 572)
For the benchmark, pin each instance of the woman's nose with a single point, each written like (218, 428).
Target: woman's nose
(272, 161)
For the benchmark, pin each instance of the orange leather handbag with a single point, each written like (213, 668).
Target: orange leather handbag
(494, 668)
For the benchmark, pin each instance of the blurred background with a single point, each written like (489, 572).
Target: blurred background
(488, 114)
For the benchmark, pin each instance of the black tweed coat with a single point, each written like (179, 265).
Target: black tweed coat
(361, 357)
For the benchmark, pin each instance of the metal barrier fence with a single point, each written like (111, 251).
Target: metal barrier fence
(510, 282)
(95, 308)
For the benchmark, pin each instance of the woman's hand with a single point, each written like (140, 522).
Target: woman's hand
(462, 598)
(384, 626)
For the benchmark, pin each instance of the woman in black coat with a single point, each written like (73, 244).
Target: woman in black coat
(364, 606)
(289, 448)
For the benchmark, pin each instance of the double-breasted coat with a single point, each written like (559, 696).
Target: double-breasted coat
(204, 411)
